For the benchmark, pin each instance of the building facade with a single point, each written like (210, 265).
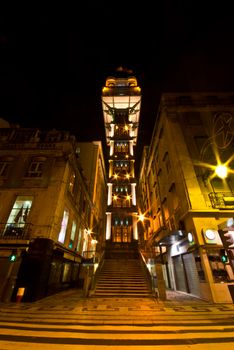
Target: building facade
(187, 204)
(90, 155)
(46, 211)
(121, 102)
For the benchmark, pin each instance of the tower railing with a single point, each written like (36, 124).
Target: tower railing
(122, 90)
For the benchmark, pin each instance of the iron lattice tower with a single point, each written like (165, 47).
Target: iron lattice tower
(121, 102)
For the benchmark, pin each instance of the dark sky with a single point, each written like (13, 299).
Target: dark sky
(54, 62)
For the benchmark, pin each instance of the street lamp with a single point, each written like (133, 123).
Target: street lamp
(141, 217)
(221, 171)
(148, 226)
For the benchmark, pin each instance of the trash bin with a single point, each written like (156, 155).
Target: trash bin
(20, 294)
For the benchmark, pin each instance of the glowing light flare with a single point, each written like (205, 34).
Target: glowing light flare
(142, 216)
(221, 171)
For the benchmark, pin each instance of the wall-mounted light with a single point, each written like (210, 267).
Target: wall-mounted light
(190, 237)
(210, 234)
(141, 217)
(221, 171)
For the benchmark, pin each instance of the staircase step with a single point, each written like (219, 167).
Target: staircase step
(122, 277)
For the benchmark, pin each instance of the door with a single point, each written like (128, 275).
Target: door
(121, 234)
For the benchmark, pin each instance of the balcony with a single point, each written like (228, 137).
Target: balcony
(13, 231)
(122, 208)
(222, 200)
(121, 91)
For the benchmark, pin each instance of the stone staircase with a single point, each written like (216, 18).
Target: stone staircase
(122, 278)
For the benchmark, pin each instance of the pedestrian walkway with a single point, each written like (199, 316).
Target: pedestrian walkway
(172, 298)
(67, 321)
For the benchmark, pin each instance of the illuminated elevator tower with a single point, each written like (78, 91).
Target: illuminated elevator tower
(121, 101)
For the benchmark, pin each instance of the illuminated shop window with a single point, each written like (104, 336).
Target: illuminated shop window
(62, 233)
(80, 237)
(73, 233)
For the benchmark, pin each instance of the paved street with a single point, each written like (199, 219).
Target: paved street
(69, 321)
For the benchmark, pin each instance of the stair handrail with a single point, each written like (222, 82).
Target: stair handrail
(148, 275)
(97, 271)
(93, 260)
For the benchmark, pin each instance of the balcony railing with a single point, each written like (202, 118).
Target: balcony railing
(122, 90)
(222, 200)
(14, 231)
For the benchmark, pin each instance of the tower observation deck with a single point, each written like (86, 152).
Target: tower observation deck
(121, 102)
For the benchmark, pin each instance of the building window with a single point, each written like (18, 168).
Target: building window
(184, 100)
(36, 167)
(72, 182)
(217, 184)
(4, 168)
(79, 242)
(167, 161)
(121, 147)
(72, 237)
(73, 231)
(5, 164)
(123, 166)
(24, 135)
(62, 233)
(18, 216)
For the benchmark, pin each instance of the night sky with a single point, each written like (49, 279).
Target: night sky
(54, 62)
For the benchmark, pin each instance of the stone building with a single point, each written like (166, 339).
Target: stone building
(90, 155)
(186, 194)
(46, 211)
